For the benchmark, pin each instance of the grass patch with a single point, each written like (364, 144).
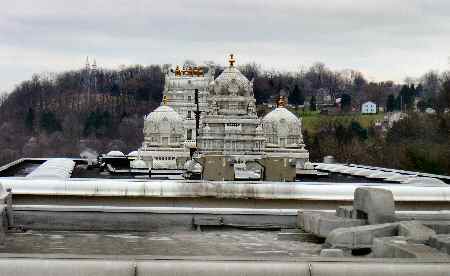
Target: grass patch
(312, 122)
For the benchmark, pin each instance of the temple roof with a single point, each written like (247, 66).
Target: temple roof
(280, 113)
(232, 74)
(164, 112)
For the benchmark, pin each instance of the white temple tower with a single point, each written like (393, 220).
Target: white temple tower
(231, 136)
(283, 132)
(163, 146)
(230, 126)
(179, 90)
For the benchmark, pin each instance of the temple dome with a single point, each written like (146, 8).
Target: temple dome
(134, 153)
(232, 74)
(231, 81)
(282, 128)
(280, 113)
(163, 127)
(115, 153)
(165, 113)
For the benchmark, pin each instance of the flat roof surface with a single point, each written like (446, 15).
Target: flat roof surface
(220, 243)
(81, 170)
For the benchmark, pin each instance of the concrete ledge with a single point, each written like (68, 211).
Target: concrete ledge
(415, 231)
(401, 247)
(440, 227)
(111, 221)
(377, 269)
(308, 191)
(443, 215)
(321, 224)
(360, 236)
(441, 242)
(181, 268)
(78, 266)
(43, 267)
(156, 210)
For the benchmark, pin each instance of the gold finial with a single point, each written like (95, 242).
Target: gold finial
(165, 99)
(231, 60)
(197, 71)
(177, 71)
(281, 102)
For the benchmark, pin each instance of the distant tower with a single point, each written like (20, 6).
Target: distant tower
(94, 75)
(86, 75)
(94, 66)
(88, 66)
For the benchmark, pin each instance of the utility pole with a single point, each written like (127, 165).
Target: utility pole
(197, 115)
(401, 104)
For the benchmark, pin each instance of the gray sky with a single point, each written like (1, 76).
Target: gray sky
(384, 39)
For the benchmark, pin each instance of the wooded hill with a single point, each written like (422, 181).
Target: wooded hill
(102, 109)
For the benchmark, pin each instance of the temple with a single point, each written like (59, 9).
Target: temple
(233, 142)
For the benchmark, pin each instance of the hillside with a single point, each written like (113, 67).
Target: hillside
(102, 110)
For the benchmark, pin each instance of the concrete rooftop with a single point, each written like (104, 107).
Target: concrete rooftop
(220, 243)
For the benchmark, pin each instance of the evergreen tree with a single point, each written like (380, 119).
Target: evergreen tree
(29, 119)
(419, 90)
(444, 96)
(98, 123)
(406, 97)
(357, 130)
(346, 102)
(313, 104)
(296, 97)
(390, 103)
(49, 122)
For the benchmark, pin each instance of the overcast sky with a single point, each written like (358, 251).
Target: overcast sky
(384, 39)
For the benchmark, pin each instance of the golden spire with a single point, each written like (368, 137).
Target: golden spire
(281, 102)
(231, 60)
(165, 100)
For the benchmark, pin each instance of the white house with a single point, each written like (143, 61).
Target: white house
(369, 108)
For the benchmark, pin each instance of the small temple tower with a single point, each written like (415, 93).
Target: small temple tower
(284, 139)
(180, 87)
(234, 144)
(163, 146)
(231, 137)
